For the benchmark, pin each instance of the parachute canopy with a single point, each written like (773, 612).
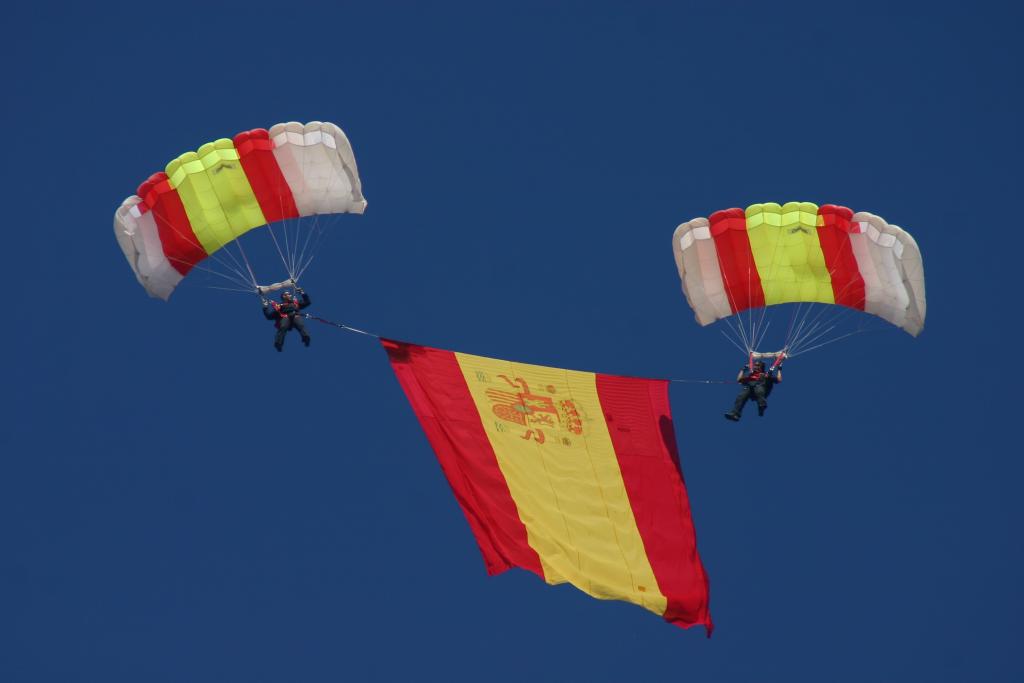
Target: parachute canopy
(799, 252)
(208, 198)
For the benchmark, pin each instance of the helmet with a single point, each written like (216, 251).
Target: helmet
(286, 294)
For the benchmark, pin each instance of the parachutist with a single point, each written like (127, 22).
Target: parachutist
(757, 384)
(286, 316)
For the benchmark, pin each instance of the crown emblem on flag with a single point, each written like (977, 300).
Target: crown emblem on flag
(537, 412)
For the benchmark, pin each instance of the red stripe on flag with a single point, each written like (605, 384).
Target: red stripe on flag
(255, 151)
(834, 237)
(639, 421)
(736, 260)
(436, 388)
(181, 247)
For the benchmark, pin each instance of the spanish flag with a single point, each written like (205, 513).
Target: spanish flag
(571, 475)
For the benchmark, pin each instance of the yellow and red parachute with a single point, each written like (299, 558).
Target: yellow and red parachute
(206, 199)
(737, 260)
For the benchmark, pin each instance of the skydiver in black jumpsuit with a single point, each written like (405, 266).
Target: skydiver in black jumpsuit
(757, 384)
(286, 316)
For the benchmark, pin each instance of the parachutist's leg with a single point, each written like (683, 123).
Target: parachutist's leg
(282, 330)
(761, 395)
(741, 400)
(301, 327)
(737, 408)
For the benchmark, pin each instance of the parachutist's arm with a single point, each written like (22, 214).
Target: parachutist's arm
(778, 375)
(268, 312)
(304, 301)
(740, 377)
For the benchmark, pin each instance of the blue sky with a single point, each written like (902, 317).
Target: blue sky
(180, 502)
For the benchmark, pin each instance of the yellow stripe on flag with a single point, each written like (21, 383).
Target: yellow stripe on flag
(548, 431)
(790, 263)
(216, 194)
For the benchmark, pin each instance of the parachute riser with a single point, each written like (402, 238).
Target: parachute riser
(778, 357)
(263, 289)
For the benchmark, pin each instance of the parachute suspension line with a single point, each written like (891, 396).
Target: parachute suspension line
(235, 280)
(798, 329)
(322, 229)
(819, 339)
(291, 244)
(806, 324)
(300, 252)
(308, 253)
(808, 328)
(737, 336)
(818, 329)
(817, 323)
(280, 253)
(307, 261)
(732, 341)
(826, 343)
(234, 266)
(803, 319)
(813, 334)
(807, 344)
(248, 266)
(762, 327)
(764, 333)
(296, 237)
(800, 335)
(287, 247)
(792, 321)
(230, 289)
(273, 236)
(842, 315)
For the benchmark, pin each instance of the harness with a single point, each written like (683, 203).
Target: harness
(756, 377)
(284, 314)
